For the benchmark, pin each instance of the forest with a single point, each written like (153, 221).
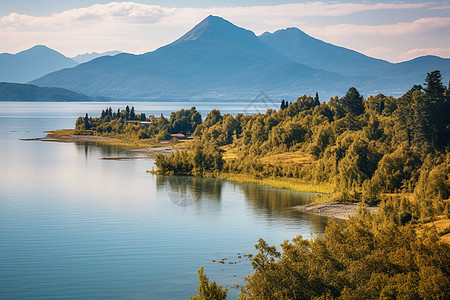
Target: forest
(385, 151)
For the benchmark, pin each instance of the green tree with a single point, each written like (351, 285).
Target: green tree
(316, 99)
(208, 290)
(351, 103)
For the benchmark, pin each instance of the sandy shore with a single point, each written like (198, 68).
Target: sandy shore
(70, 138)
(333, 209)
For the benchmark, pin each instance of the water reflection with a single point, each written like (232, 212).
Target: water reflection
(185, 191)
(274, 200)
(276, 204)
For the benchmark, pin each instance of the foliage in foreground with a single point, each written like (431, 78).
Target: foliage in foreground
(364, 148)
(207, 290)
(368, 257)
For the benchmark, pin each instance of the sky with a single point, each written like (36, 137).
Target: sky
(391, 30)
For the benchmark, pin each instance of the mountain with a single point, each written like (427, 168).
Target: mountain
(29, 92)
(381, 75)
(82, 58)
(218, 60)
(302, 48)
(32, 63)
(215, 59)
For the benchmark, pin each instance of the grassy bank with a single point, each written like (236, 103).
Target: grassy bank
(67, 135)
(282, 183)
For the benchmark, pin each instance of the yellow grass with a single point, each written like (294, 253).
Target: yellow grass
(230, 152)
(56, 133)
(68, 135)
(442, 225)
(282, 183)
(288, 158)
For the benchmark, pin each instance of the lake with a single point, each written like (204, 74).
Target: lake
(76, 224)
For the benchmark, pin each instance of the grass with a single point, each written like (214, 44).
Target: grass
(57, 133)
(119, 141)
(288, 158)
(230, 152)
(282, 183)
(442, 225)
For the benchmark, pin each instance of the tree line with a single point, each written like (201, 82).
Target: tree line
(366, 148)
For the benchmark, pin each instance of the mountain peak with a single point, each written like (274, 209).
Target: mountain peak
(39, 50)
(214, 27)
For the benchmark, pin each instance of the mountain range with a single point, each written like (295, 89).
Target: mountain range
(218, 60)
(82, 58)
(32, 63)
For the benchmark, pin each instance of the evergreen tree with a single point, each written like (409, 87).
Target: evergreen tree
(86, 122)
(127, 112)
(433, 85)
(438, 109)
(351, 103)
(316, 100)
(132, 113)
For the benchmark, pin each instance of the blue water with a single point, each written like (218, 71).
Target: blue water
(76, 226)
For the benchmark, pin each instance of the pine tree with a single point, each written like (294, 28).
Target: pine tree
(351, 103)
(132, 113)
(433, 85)
(439, 111)
(316, 100)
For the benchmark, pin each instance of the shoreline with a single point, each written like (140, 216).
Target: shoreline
(293, 184)
(65, 136)
(337, 210)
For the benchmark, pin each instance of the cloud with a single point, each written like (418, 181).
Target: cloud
(127, 12)
(442, 52)
(421, 26)
(441, 7)
(131, 11)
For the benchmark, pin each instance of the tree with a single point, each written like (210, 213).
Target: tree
(316, 99)
(439, 109)
(132, 113)
(208, 291)
(433, 85)
(213, 117)
(351, 103)
(87, 122)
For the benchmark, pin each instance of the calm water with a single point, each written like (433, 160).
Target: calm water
(74, 225)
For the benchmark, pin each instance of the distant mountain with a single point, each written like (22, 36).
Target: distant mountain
(82, 58)
(302, 48)
(32, 63)
(214, 60)
(28, 92)
(218, 60)
(380, 75)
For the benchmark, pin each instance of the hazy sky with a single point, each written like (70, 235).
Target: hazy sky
(391, 30)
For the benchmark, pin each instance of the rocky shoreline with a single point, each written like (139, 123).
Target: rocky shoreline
(333, 209)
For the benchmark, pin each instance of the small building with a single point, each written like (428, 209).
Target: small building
(179, 136)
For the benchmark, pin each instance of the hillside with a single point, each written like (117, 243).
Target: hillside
(31, 64)
(28, 92)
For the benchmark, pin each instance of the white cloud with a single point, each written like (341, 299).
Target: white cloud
(138, 28)
(392, 42)
(422, 26)
(442, 52)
